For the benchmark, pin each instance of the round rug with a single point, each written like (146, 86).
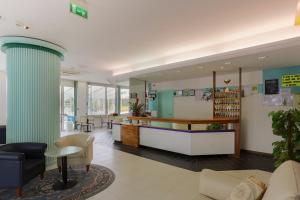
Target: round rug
(89, 184)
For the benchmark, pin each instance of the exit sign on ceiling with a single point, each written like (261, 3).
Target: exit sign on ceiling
(78, 10)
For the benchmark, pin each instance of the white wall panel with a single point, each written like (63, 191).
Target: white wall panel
(3, 97)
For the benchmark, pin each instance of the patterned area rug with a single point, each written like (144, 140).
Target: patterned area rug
(89, 184)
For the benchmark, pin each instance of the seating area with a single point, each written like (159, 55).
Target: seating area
(150, 100)
(21, 162)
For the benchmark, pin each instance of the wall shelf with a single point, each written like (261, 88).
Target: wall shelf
(228, 104)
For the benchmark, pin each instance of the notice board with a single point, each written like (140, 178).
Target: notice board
(290, 80)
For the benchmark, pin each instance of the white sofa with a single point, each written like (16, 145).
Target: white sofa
(83, 158)
(283, 184)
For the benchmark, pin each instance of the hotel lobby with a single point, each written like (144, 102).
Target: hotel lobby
(150, 100)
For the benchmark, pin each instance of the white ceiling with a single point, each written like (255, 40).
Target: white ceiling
(123, 35)
(257, 61)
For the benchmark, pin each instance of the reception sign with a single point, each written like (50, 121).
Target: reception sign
(290, 80)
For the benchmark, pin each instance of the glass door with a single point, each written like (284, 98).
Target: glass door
(67, 108)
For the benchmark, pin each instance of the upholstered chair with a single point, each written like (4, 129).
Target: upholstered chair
(21, 162)
(83, 158)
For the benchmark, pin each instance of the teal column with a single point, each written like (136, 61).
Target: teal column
(33, 80)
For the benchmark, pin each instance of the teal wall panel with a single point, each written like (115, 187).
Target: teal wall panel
(277, 73)
(33, 78)
(165, 107)
(165, 104)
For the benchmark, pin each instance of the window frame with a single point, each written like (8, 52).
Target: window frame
(120, 100)
(117, 88)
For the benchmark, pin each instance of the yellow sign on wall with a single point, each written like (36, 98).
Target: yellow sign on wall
(290, 80)
(297, 19)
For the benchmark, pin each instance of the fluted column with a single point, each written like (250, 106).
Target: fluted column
(33, 79)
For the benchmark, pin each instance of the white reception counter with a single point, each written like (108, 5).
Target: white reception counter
(182, 141)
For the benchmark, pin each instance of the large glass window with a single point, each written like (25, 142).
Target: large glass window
(102, 100)
(124, 101)
(69, 101)
(96, 100)
(111, 100)
(67, 105)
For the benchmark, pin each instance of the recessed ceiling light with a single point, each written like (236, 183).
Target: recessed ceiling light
(21, 25)
(262, 57)
(222, 67)
(228, 63)
(69, 73)
(200, 67)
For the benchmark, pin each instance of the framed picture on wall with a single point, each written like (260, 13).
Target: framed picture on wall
(271, 87)
(186, 92)
(133, 95)
(178, 93)
(192, 93)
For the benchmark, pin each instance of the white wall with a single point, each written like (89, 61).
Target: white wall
(3, 103)
(137, 86)
(68, 83)
(256, 132)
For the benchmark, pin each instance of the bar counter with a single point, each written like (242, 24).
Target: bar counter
(188, 142)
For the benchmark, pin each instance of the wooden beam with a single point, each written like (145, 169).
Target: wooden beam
(213, 92)
(238, 125)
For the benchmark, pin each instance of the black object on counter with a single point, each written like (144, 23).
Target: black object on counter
(2, 134)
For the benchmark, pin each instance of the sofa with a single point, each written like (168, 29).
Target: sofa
(83, 158)
(21, 162)
(282, 184)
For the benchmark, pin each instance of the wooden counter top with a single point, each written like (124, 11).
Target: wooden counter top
(187, 121)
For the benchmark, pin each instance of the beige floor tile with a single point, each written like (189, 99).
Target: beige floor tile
(139, 178)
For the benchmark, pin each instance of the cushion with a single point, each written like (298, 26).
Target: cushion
(249, 189)
(284, 183)
(217, 185)
(201, 197)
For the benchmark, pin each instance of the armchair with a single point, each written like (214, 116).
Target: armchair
(84, 157)
(21, 162)
(282, 183)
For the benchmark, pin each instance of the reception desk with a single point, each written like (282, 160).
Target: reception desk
(188, 142)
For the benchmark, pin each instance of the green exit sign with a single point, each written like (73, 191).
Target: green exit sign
(78, 10)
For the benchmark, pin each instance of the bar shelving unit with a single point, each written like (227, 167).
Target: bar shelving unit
(227, 104)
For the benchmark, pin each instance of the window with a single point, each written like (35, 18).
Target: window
(111, 100)
(124, 101)
(102, 100)
(96, 100)
(68, 100)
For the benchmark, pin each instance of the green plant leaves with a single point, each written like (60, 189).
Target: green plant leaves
(136, 108)
(214, 126)
(287, 125)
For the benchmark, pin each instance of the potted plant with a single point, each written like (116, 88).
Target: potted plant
(286, 124)
(136, 109)
(214, 127)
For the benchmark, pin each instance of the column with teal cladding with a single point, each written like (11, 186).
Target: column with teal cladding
(33, 80)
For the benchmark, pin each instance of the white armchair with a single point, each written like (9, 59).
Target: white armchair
(282, 183)
(83, 158)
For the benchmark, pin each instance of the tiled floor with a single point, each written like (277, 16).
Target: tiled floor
(139, 178)
(247, 160)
